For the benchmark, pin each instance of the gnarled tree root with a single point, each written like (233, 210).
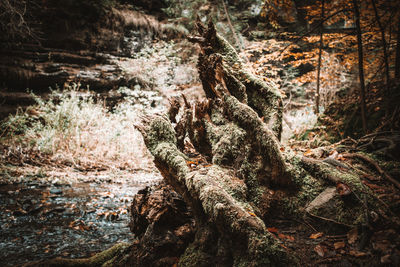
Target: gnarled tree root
(218, 200)
(235, 133)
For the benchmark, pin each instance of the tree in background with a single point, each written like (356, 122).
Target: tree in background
(321, 44)
(362, 36)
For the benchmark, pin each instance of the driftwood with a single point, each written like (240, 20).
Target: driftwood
(224, 156)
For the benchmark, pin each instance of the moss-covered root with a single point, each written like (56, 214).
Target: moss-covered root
(104, 259)
(329, 173)
(248, 119)
(215, 196)
(220, 63)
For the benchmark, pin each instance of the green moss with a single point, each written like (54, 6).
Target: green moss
(174, 159)
(226, 141)
(217, 116)
(194, 256)
(246, 87)
(160, 130)
(224, 47)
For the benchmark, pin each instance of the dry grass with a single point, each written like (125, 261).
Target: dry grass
(72, 128)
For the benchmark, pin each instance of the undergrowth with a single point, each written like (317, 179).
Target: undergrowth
(70, 126)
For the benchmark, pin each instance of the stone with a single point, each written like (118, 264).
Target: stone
(323, 198)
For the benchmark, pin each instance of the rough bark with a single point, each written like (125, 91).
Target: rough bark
(384, 47)
(163, 225)
(397, 64)
(360, 66)
(230, 160)
(321, 44)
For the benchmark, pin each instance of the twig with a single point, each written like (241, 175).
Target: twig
(235, 35)
(329, 220)
(290, 99)
(232, 29)
(376, 166)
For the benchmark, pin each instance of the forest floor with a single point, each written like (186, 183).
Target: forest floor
(49, 208)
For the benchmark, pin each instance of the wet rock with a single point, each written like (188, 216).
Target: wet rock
(67, 212)
(322, 199)
(56, 191)
(164, 225)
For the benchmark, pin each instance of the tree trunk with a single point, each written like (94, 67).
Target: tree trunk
(384, 46)
(397, 65)
(360, 66)
(321, 44)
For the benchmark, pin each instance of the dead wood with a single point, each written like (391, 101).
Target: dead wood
(223, 156)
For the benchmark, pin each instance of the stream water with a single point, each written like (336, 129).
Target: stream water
(40, 220)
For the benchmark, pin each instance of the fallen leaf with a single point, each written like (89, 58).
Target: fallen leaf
(288, 237)
(282, 245)
(308, 152)
(357, 253)
(316, 235)
(339, 244)
(272, 230)
(319, 250)
(352, 236)
(343, 189)
(281, 236)
(386, 259)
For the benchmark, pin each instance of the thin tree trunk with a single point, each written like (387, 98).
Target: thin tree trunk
(321, 43)
(385, 53)
(397, 66)
(301, 13)
(360, 66)
(238, 43)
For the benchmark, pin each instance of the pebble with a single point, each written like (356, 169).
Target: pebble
(56, 191)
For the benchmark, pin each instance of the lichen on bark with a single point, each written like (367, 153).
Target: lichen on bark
(235, 133)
